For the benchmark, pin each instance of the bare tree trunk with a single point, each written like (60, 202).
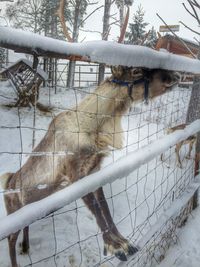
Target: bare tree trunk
(105, 33)
(70, 73)
(194, 114)
(121, 14)
(72, 64)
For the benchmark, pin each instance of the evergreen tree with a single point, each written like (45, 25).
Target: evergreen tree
(151, 38)
(137, 32)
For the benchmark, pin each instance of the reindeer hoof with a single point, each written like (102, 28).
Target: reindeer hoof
(132, 250)
(23, 249)
(121, 256)
(121, 249)
(105, 252)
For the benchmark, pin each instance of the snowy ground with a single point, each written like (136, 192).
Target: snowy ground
(186, 252)
(70, 236)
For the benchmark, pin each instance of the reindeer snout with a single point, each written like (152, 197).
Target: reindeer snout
(174, 80)
(177, 77)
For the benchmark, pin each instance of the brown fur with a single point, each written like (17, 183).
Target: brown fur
(190, 140)
(86, 132)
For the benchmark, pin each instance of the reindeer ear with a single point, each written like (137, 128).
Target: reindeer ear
(117, 71)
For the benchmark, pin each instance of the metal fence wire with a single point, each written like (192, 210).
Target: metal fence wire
(69, 236)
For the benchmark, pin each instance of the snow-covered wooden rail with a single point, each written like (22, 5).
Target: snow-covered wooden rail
(110, 53)
(122, 167)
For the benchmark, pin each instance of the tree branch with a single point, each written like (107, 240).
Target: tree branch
(189, 28)
(195, 12)
(198, 42)
(124, 27)
(188, 11)
(90, 14)
(194, 2)
(60, 14)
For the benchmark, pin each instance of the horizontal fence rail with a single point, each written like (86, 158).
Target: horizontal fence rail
(95, 51)
(32, 212)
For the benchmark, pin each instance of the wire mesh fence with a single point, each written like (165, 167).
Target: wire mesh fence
(70, 236)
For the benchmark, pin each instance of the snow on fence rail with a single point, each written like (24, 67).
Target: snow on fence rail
(96, 51)
(122, 167)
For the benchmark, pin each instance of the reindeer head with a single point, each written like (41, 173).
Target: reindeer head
(144, 83)
(161, 81)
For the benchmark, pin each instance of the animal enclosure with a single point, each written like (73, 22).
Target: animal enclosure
(148, 198)
(69, 236)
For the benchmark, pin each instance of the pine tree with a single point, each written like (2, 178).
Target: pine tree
(151, 38)
(136, 33)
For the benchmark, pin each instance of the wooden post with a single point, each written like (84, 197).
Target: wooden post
(194, 114)
(79, 78)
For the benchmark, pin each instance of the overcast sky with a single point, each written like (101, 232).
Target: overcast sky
(171, 11)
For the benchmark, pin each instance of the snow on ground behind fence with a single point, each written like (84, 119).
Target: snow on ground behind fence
(69, 236)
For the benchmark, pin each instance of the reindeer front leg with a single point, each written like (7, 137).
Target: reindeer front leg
(191, 143)
(85, 162)
(115, 243)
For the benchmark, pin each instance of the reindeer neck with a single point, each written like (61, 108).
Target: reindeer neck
(108, 99)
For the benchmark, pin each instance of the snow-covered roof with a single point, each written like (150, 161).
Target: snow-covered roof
(107, 52)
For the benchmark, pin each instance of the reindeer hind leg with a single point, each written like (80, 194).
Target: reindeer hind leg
(188, 156)
(12, 239)
(177, 151)
(25, 242)
(12, 204)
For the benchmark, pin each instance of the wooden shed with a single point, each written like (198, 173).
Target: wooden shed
(173, 45)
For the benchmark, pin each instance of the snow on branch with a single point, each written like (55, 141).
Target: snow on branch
(122, 167)
(106, 52)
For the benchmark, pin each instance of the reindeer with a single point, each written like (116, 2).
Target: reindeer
(87, 132)
(190, 140)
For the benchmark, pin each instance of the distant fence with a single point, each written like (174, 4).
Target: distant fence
(86, 74)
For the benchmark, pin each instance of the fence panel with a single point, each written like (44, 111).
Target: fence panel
(70, 236)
